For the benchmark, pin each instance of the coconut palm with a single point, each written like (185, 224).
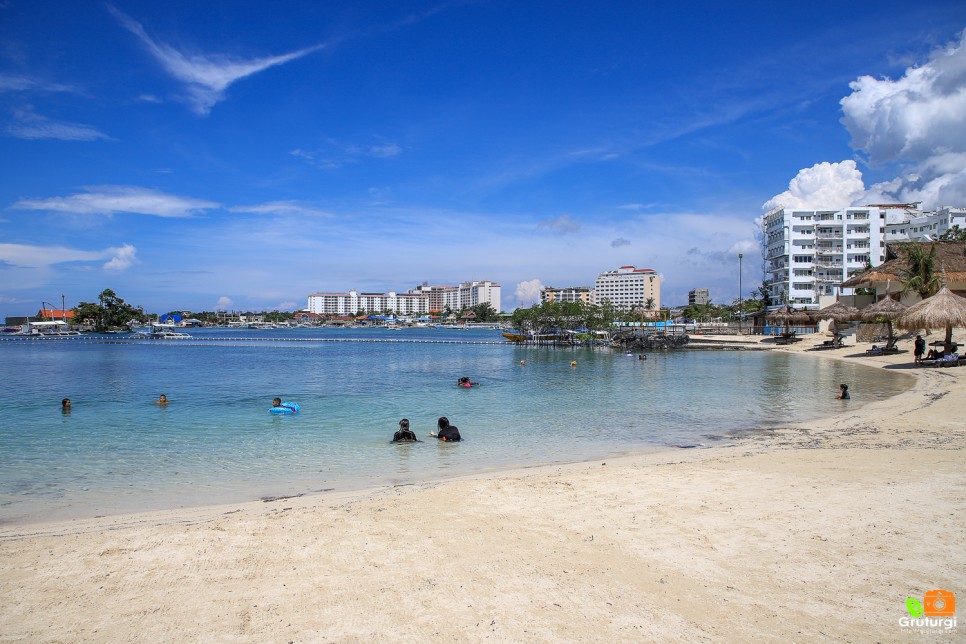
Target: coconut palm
(920, 273)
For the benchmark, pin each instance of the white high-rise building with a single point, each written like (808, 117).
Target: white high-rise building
(419, 301)
(629, 287)
(809, 253)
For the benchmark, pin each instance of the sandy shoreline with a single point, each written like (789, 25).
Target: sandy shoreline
(820, 530)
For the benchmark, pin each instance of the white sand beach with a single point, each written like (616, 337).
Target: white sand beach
(817, 531)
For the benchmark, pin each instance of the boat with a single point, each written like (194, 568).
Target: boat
(515, 337)
(167, 332)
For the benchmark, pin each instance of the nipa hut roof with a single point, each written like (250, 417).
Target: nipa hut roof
(945, 308)
(950, 255)
(887, 308)
(838, 311)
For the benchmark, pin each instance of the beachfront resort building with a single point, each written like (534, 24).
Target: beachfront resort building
(422, 300)
(583, 294)
(699, 297)
(810, 253)
(629, 287)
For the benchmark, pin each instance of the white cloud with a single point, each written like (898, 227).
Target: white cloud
(823, 186)
(916, 123)
(28, 256)
(224, 304)
(124, 257)
(283, 208)
(528, 292)
(32, 126)
(105, 200)
(562, 224)
(205, 76)
(10, 83)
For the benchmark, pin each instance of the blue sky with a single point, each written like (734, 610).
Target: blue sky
(241, 155)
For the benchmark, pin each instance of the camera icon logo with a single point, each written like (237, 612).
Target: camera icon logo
(939, 603)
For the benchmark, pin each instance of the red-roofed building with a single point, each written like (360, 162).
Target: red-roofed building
(629, 287)
(54, 314)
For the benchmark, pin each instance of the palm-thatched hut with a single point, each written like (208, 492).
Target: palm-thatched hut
(787, 315)
(886, 309)
(944, 309)
(887, 277)
(838, 312)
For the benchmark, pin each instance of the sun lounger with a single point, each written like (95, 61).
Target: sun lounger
(888, 349)
(834, 343)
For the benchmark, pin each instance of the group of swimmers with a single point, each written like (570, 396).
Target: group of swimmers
(444, 432)
(65, 403)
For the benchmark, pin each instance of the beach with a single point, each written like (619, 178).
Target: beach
(819, 530)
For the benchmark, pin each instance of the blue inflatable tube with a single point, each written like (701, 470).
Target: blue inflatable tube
(286, 408)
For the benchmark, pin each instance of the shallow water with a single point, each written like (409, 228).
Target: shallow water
(216, 441)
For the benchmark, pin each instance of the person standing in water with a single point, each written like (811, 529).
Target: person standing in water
(446, 432)
(404, 434)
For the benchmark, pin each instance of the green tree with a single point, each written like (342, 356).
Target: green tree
(484, 312)
(954, 234)
(110, 312)
(920, 273)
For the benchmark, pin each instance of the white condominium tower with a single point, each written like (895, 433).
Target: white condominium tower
(629, 287)
(809, 253)
(418, 301)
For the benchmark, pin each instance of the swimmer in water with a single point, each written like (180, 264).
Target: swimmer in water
(277, 402)
(404, 434)
(446, 432)
(162, 400)
(65, 405)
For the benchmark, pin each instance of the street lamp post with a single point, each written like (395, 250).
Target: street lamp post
(740, 255)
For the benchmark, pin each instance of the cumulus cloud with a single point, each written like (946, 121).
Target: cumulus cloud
(206, 77)
(224, 304)
(620, 241)
(528, 292)
(824, 186)
(123, 258)
(563, 224)
(916, 123)
(106, 200)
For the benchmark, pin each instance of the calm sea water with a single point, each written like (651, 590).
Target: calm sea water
(216, 441)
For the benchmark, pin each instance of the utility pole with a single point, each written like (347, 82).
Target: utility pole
(740, 255)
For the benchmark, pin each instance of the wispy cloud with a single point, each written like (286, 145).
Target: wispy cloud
(14, 83)
(107, 200)
(206, 77)
(346, 154)
(30, 125)
(620, 241)
(283, 208)
(30, 256)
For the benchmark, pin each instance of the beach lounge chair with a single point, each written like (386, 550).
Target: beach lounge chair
(888, 349)
(834, 343)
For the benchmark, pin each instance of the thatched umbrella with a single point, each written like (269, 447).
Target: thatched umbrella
(945, 308)
(786, 315)
(886, 309)
(837, 312)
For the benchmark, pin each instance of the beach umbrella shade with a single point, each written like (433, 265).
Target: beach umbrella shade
(886, 309)
(944, 309)
(787, 315)
(837, 312)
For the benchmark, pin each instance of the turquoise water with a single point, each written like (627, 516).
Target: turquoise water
(216, 441)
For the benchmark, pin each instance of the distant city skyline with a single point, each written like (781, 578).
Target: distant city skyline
(238, 156)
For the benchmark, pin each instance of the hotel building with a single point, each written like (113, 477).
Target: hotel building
(628, 287)
(809, 253)
(421, 300)
(583, 294)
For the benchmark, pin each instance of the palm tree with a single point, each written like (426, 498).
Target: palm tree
(920, 275)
